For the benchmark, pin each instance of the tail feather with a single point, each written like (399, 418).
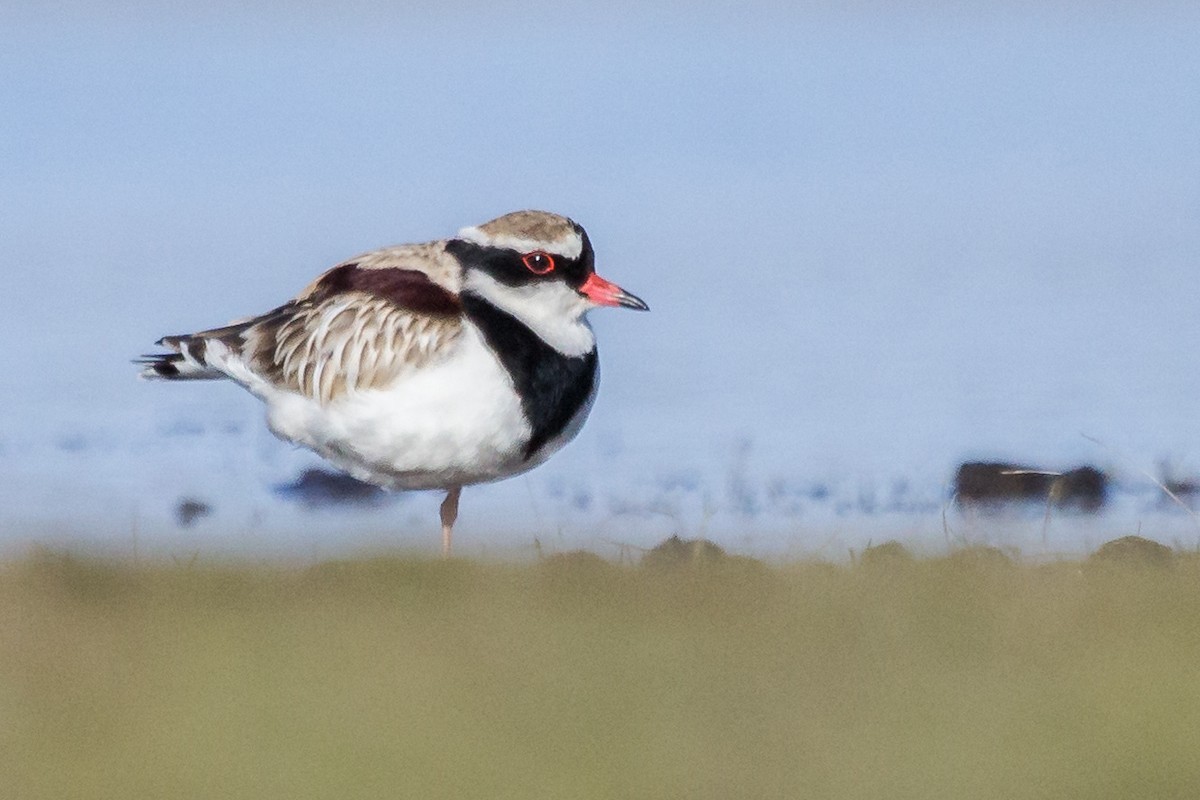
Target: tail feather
(187, 362)
(208, 355)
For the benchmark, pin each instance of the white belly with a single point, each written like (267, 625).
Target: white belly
(455, 422)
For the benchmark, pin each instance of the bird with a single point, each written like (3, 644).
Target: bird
(436, 365)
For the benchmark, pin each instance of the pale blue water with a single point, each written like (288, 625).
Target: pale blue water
(875, 242)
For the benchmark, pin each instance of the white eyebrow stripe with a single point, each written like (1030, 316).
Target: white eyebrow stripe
(569, 246)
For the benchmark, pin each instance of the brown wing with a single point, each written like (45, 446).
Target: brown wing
(358, 326)
(353, 329)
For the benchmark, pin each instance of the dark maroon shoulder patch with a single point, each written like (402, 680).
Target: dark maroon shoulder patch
(407, 288)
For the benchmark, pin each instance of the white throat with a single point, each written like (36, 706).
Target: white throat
(554, 311)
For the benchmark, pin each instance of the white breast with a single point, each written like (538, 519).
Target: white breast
(457, 421)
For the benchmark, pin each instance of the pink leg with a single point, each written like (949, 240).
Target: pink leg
(449, 514)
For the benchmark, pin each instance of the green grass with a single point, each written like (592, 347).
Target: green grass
(948, 678)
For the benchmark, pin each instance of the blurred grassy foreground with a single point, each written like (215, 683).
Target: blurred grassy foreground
(573, 678)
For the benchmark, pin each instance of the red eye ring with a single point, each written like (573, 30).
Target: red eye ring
(538, 262)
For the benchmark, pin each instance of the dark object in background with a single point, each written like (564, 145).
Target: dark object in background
(1177, 490)
(1135, 551)
(322, 488)
(995, 483)
(189, 510)
(1185, 489)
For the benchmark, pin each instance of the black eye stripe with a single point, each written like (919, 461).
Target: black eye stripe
(508, 266)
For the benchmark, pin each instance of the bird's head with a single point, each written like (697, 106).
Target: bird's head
(537, 266)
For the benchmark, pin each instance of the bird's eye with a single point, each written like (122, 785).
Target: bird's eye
(539, 263)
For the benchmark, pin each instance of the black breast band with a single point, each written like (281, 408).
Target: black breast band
(552, 387)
